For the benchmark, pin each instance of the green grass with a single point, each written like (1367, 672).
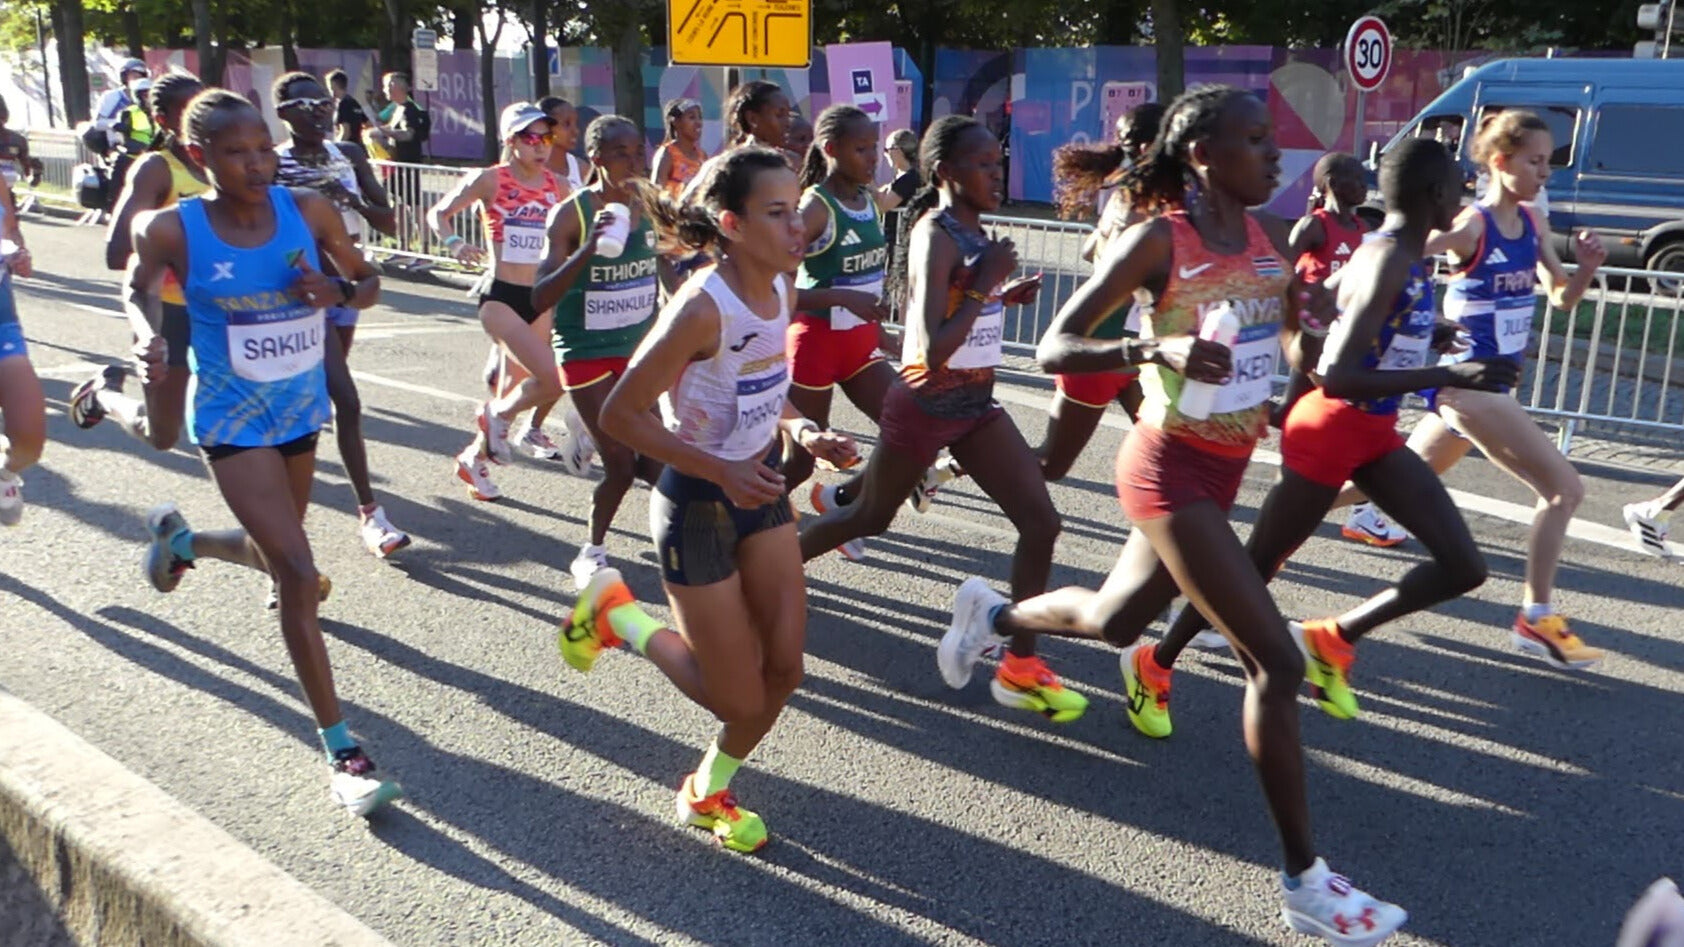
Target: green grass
(1658, 320)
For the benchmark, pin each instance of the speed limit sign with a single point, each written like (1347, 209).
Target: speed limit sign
(1368, 53)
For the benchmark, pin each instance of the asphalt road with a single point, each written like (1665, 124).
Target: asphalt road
(1500, 801)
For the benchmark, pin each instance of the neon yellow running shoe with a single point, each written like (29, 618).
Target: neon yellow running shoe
(1147, 687)
(586, 634)
(1028, 684)
(734, 827)
(1327, 667)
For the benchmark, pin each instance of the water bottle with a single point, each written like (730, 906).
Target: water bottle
(612, 242)
(1221, 325)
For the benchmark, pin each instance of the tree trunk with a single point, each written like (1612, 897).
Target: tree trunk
(72, 60)
(488, 81)
(289, 36)
(394, 43)
(540, 51)
(131, 32)
(1117, 20)
(627, 43)
(219, 48)
(202, 42)
(462, 28)
(1169, 40)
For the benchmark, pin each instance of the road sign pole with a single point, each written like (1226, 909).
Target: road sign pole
(1359, 143)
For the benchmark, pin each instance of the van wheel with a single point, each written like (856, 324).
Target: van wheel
(1668, 257)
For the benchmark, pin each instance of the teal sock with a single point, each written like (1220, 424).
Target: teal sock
(336, 738)
(716, 769)
(181, 544)
(1290, 882)
(994, 615)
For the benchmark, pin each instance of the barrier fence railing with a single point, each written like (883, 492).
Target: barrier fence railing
(1614, 360)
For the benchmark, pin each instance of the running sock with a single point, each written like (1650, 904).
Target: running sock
(632, 624)
(1291, 882)
(181, 544)
(336, 738)
(994, 615)
(716, 769)
(364, 512)
(1536, 611)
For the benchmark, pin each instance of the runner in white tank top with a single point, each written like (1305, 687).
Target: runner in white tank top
(720, 512)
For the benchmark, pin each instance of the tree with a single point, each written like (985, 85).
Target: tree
(72, 59)
(488, 75)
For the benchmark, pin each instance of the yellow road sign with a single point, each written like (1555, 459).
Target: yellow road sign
(740, 32)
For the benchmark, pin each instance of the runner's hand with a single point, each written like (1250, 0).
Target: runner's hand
(1196, 358)
(1448, 339)
(866, 306)
(1588, 249)
(750, 484)
(152, 358)
(1485, 374)
(1021, 291)
(1314, 307)
(599, 225)
(836, 450)
(468, 254)
(997, 263)
(316, 288)
(20, 263)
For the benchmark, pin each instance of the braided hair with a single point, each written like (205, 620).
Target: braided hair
(833, 123)
(940, 141)
(278, 88)
(691, 221)
(205, 107)
(1159, 180)
(599, 129)
(750, 96)
(1080, 171)
(171, 93)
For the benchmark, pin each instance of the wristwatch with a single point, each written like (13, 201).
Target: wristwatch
(347, 289)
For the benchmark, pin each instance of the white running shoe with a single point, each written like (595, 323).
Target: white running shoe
(1648, 526)
(472, 470)
(970, 635)
(922, 495)
(1209, 640)
(355, 786)
(1656, 920)
(590, 559)
(11, 498)
(496, 431)
(380, 536)
(1330, 907)
(823, 500)
(576, 457)
(1367, 525)
(534, 441)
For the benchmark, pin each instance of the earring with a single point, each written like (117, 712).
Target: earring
(1192, 195)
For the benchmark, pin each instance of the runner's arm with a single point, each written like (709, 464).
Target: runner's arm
(376, 207)
(684, 333)
(1462, 240)
(663, 167)
(1140, 257)
(147, 186)
(471, 189)
(360, 277)
(1307, 236)
(160, 246)
(1366, 299)
(1565, 291)
(565, 256)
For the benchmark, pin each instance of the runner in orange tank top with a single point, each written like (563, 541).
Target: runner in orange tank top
(680, 155)
(1177, 475)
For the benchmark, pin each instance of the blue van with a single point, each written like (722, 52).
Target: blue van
(1618, 124)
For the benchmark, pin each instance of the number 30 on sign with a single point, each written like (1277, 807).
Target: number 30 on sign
(1368, 53)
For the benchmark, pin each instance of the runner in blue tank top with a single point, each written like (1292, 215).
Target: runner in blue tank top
(246, 256)
(21, 402)
(1501, 252)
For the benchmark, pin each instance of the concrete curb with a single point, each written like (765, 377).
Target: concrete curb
(120, 862)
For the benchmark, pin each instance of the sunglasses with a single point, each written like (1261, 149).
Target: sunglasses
(308, 105)
(535, 138)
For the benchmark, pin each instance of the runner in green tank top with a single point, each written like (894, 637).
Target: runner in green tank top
(603, 307)
(835, 337)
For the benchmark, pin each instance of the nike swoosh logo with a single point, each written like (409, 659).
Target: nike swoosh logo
(1188, 272)
(745, 341)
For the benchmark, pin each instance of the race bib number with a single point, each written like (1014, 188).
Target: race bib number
(982, 345)
(274, 346)
(760, 403)
(616, 306)
(523, 241)
(1514, 329)
(1253, 355)
(841, 317)
(1405, 353)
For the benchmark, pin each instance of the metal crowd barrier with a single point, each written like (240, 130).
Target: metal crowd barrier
(1612, 362)
(59, 151)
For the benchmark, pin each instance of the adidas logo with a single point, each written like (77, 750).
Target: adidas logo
(1344, 250)
(1496, 256)
(851, 238)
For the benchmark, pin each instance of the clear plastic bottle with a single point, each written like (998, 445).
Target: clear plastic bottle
(1221, 325)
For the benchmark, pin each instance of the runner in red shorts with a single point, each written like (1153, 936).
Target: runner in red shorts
(834, 338)
(1177, 476)
(1346, 430)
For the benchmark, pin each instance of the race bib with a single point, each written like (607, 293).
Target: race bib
(1253, 357)
(1405, 353)
(841, 317)
(274, 346)
(1132, 322)
(982, 346)
(760, 403)
(617, 305)
(1514, 329)
(523, 241)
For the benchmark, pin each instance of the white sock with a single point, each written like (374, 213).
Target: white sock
(1536, 611)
